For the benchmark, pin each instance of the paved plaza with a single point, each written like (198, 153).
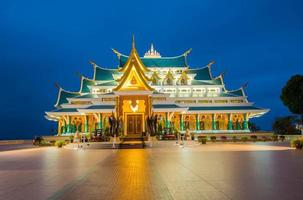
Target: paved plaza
(166, 171)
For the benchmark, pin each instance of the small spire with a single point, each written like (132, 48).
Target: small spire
(133, 42)
(152, 52)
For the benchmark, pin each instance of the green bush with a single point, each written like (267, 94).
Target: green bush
(254, 138)
(274, 138)
(44, 143)
(202, 139)
(244, 138)
(297, 143)
(234, 138)
(59, 143)
(213, 138)
(264, 138)
(71, 138)
(281, 138)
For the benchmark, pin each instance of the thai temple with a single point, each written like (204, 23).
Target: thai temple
(182, 97)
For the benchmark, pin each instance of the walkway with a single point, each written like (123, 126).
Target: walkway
(212, 171)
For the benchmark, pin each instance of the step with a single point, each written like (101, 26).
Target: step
(131, 145)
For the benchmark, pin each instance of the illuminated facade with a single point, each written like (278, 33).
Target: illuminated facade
(182, 97)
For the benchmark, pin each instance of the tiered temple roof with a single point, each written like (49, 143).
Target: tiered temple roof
(151, 67)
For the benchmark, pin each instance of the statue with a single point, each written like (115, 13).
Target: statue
(112, 124)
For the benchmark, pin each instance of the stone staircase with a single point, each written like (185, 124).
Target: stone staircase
(132, 141)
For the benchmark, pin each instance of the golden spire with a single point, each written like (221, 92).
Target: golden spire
(133, 70)
(133, 42)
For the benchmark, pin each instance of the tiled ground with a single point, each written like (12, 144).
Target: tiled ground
(166, 171)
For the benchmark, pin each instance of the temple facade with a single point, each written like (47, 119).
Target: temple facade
(182, 97)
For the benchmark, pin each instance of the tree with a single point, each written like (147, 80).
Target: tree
(292, 95)
(285, 125)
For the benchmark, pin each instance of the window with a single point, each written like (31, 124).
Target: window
(220, 101)
(236, 101)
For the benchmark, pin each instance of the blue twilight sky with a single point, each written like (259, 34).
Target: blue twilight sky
(43, 42)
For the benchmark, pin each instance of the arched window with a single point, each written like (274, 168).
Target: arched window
(169, 81)
(183, 81)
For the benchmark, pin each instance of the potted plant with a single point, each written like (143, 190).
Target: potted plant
(282, 138)
(254, 138)
(244, 138)
(264, 138)
(223, 138)
(274, 138)
(192, 135)
(202, 139)
(59, 143)
(71, 138)
(213, 138)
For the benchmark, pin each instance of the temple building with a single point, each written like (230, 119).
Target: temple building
(182, 97)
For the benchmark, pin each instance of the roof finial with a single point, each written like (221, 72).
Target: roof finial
(57, 85)
(92, 62)
(133, 42)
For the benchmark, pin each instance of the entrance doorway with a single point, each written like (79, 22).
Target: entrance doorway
(134, 124)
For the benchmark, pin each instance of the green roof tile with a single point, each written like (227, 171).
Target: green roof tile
(103, 74)
(201, 73)
(101, 107)
(109, 83)
(87, 96)
(63, 95)
(198, 82)
(237, 93)
(179, 61)
(65, 110)
(85, 83)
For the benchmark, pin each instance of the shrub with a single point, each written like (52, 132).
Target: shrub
(244, 138)
(297, 143)
(274, 138)
(234, 138)
(44, 143)
(264, 138)
(59, 143)
(223, 138)
(282, 138)
(254, 138)
(192, 135)
(71, 138)
(213, 138)
(202, 139)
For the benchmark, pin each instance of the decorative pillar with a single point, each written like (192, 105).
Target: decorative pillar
(197, 122)
(181, 123)
(245, 122)
(230, 124)
(213, 122)
(86, 124)
(59, 128)
(100, 125)
(68, 126)
(167, 122)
